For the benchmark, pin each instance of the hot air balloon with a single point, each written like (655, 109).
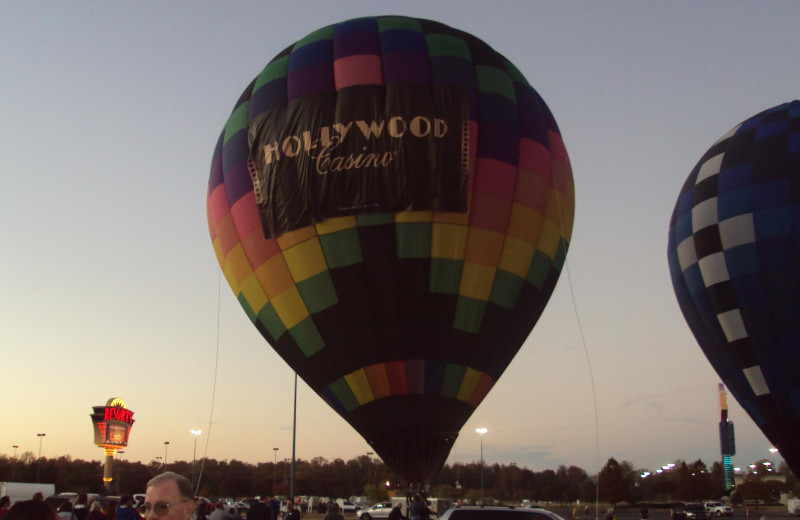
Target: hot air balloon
(734, 257)
(391, 203)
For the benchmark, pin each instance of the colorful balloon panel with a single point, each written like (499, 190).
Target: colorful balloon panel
(401, 321)
(734, 256)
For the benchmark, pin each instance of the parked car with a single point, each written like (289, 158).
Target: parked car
(56, 501)
(346, 506)
(379, 510)
(462, 512)
(718, 509)
(689, 511)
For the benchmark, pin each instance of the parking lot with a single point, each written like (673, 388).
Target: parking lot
(771, 512)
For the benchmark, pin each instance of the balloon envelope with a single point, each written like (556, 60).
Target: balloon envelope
(734, 256)
(391, 202)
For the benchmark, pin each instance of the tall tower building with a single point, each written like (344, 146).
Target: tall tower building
(727, 442)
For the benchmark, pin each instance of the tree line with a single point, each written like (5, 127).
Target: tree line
(619, 482)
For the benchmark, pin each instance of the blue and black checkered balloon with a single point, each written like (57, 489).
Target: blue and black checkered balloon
(734, 256)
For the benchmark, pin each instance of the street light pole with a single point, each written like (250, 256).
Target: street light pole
(274, 469)
(39, 460)
(481, 431)
(513, 466)
(14, 465)
(370, 454)
(194, 451)
(166, 445)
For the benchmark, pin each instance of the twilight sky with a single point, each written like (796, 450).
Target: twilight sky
(109, 114)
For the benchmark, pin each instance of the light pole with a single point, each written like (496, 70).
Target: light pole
(375, 472)
(118, 478)
(194, 451)
(166, 445)
(513, 479)
(14, 465)
(274, 468)
(481, 432)
(39, 460)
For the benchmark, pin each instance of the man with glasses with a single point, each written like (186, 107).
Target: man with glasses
(168, 497)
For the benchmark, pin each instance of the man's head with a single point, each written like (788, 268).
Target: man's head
(168, 497)
(289, 505)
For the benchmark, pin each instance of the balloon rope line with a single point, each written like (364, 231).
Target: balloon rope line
(594, 390)
(214, 385)
(586, 354)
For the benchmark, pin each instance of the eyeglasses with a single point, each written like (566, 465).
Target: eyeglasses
(159, 508)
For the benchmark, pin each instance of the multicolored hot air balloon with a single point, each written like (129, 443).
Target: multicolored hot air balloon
(734, 255)
(391, 202)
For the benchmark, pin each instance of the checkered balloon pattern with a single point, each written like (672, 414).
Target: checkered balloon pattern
(402, 322)
(734, 256)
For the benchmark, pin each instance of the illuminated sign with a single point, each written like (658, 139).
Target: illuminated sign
(118, 414)
(112, 424)
(117, 435)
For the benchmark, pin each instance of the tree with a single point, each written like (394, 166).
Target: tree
(376, 493)
(616, 481)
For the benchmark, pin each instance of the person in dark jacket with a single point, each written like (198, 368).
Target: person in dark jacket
(397, 512)
(5, 505)
(81, 507)
(259, 510)
(292, 513)
(418, 510)
(274, 506)
(125, 511)
(334, 513)
(31, 510)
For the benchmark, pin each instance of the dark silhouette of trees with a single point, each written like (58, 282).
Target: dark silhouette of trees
(363, 475)
(617, 482)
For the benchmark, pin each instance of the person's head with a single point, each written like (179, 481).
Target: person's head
(96, 506)
(38, 496)
(290, 504)
(110, 508)
(82, 499)
(4, 502)
(168, 497)
(31, 510)
(126, 500)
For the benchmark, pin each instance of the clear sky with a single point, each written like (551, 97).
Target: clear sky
(109, 113)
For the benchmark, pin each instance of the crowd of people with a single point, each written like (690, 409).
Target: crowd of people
(169, 496)
(37, 509)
